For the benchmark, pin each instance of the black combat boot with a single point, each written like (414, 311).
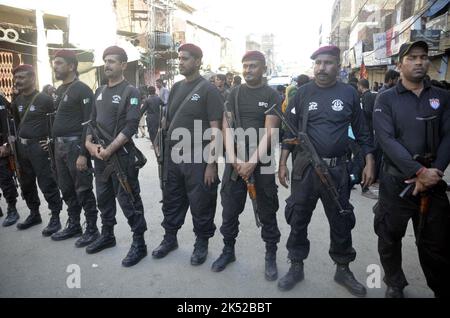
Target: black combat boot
(200, 251)
(394, 292)
(33, 219)
(73, 229)
(137, 251)
(11, 216)
(293, 276)
(53, 226)
(89, 236)
(168, 244)
(224, 259)
(105, 240)
(271, 270)
(345, 278)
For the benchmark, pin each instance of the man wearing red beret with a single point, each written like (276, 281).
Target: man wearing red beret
(191, 181)
(73, 165)
(324, 109)
(30, 111)
(246, 107)
(115, 116)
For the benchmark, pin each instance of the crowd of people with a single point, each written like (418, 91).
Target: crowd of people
(65, 139)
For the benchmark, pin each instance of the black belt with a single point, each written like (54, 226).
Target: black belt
(335, 161)
(67, 139)
(25, 141)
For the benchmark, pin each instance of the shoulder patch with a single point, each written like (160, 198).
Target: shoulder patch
(134, 101)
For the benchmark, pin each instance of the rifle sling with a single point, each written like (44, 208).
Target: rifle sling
(28, 108)
(184, 103)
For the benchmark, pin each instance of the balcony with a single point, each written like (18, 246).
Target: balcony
(162, 40)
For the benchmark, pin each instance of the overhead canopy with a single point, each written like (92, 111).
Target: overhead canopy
(436, 8)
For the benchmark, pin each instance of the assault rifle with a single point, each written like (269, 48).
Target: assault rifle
(250, 182)
(114, 159)
(317, 163)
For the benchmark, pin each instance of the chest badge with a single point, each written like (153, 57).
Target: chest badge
(435, 103)
(65, 98)
(32, 108)
(195, 97)
(263, 104)
(312, 106)
(116, 99)
(20, 108)
(337, 105)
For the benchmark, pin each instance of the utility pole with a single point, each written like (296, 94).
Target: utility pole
(151, 40)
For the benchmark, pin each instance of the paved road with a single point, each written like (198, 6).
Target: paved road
(34, 266)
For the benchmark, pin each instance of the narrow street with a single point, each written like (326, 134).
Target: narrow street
(34, 266)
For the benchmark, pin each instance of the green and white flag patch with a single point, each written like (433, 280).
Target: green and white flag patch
(134, 101)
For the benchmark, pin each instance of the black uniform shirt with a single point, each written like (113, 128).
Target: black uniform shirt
(73, 108)
(253, 103)
(331, 110)
(105, 110)
(35, 125)
(4, 105)
(205, 105)
(402, 135)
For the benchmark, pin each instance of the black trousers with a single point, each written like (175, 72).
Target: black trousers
(300, 206)
(7, 182)
(152, 126)
(76, 186)
(234, 196)
(185, 188)
(392, 215)
(35, 165)
(108, 189)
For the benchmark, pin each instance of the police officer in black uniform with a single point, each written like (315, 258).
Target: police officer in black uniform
(31, 109)
(412, 124)
(6, 175)
(120, 123)
(73, 164)
(253, 99)
(332, 106)
(190, 181)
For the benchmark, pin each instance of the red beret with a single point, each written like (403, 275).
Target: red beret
(193, 49)
(23, 68)
(329, 49)
(115, 50)
(255, 56)
(68, 55)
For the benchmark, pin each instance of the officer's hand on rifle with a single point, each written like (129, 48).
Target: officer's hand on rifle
(81, 163)
(94, 149)
(210, 174)
(291, 141)
(283, 176)
(44, 145)
(104, 154)
(246, 169)
(426, 179)
(4, 151)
